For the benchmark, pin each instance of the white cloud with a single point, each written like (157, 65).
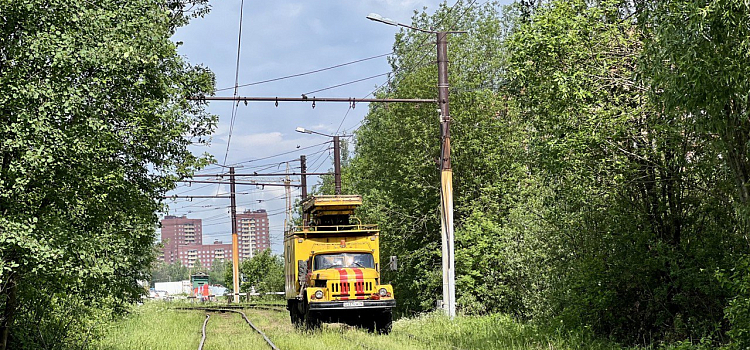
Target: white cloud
(253, 141)
(291, 11)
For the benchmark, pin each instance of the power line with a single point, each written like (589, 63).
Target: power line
(281, 154)
(190, 188)
(347, 83)
(209, 208)
(236, 82)
(316, 160)
(307, 73)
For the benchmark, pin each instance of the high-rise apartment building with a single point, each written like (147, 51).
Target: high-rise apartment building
(189, 255)
(177, 231)
(183, 239)
(253, 232)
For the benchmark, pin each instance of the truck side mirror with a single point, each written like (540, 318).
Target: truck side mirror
(393, 264)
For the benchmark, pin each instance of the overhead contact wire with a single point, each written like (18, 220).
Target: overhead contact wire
(307, 73)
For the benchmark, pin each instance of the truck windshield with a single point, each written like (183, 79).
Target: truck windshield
(331, 261)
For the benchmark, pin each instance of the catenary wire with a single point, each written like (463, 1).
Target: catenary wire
(281, 154)
(347, 83)
(236, 82)
(307, 73)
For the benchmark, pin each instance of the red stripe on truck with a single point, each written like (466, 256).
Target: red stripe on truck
(344, 278)
(360, 284)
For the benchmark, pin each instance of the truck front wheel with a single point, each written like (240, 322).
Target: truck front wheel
(311, 320)
(384, 322)
(294, 313)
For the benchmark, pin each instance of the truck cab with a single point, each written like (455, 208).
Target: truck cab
(332, 267)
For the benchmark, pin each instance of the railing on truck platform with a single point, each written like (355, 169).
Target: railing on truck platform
(336, 228)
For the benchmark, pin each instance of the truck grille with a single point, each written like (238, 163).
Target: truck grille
(346, 288)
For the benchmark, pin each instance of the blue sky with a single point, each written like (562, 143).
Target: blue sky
(281, 38)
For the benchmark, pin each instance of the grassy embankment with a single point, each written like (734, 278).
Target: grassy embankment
(157, 326)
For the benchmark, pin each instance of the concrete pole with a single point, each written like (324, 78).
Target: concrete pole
(446, 179)
(235, 239)
(303, 180)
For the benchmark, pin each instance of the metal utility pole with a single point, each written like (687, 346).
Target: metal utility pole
(337, 164)
(235, 240)
(446, 178)
(336, 157)
(288, 192)
(303, 180)
(446, 174)
(303, 175)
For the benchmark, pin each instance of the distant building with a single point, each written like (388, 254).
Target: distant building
(253, 232)
(176, 231)
(183, 239)
(189, 254)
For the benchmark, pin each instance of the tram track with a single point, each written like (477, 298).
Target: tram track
(208, 310)
(343, 331)
(279, 307)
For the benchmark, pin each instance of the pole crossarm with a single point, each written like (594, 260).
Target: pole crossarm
(351, 100)
(191, 197)
(260, 175)
(239, 183)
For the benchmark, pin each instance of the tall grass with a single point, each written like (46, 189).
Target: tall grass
(158, 326)
(153, 326)
(493, 332)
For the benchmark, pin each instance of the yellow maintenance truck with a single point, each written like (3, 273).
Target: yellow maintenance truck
(332, 268)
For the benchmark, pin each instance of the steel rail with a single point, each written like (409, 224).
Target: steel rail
(278, 307)
(229, 308)
(265, 337)
(203, 338)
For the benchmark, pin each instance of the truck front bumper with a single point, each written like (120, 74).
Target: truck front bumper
(353, 305)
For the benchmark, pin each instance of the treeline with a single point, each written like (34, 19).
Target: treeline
(172, 272)
(95, 128)
(262, 273)
(600, 158)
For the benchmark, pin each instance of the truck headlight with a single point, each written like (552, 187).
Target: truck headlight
(319, 294)
(383, 292)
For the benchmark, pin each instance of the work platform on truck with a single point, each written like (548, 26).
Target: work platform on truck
(333, 215)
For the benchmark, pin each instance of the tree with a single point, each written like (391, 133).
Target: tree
(695, 58)
(164, 272)
(95, 127)
(264, 272)
(634, 202)
(197, 266)
(216, 273)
